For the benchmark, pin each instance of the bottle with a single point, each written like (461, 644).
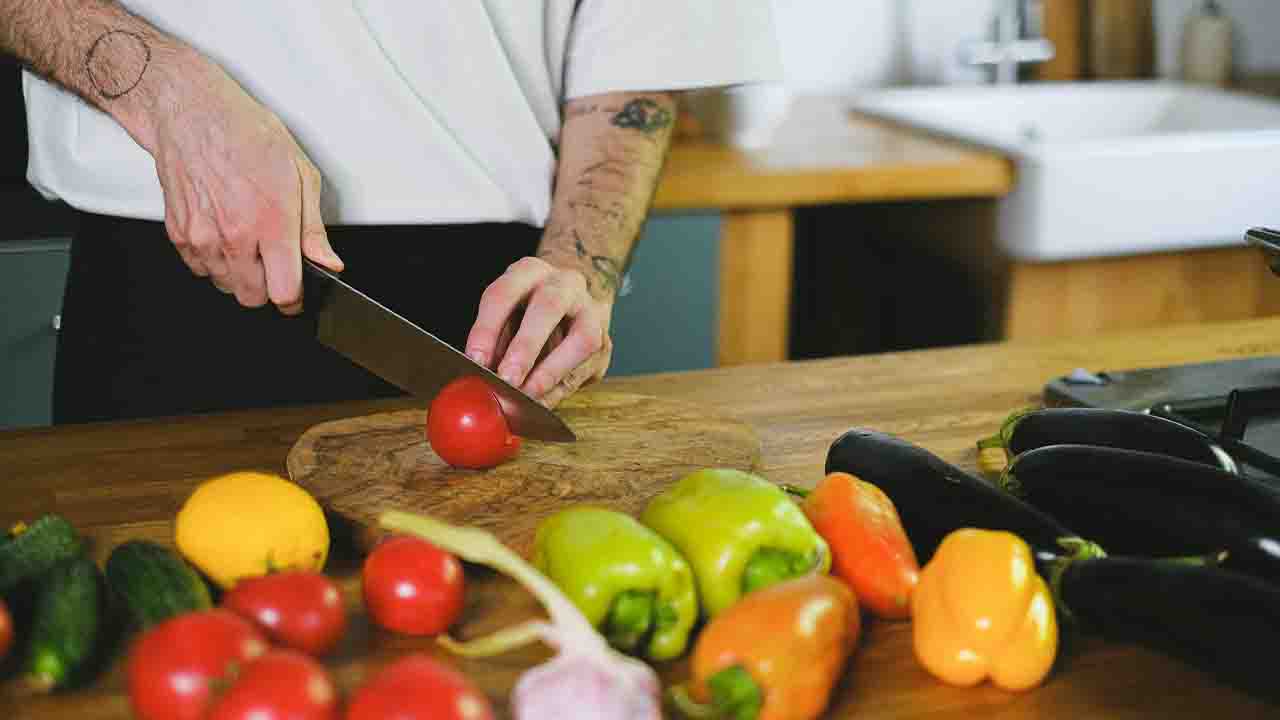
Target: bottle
(1206, 46)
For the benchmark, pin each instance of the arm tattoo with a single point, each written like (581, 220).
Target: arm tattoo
(609, 270)
(130, 56)
(610, 161)
(644, 115)
(606, 269)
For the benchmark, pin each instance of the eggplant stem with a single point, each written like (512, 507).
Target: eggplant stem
(990, 442)
(1006, 427)
(1077, 549)
(1008, 482)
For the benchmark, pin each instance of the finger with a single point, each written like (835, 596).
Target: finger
(549, 305)
(572, 383)
(504, 338)
(198, 268)
(315, 239)
(281, 255)
(585, 339)
(216, 261)
(556, 396)
(248, 276)
(183, 247)
(498, 304)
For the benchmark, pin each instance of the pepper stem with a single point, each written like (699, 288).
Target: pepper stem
(771, 565)
(735, 694)
(689, 707)
(796, 490)
(630, 619)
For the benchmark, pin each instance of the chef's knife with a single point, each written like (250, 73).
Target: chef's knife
(398, 351)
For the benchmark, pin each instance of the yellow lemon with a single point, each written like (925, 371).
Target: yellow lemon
(248, 524)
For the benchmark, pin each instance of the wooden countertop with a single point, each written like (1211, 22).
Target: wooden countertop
(127, 479)
(825, 153)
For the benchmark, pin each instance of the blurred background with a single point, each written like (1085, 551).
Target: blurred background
(929, 173)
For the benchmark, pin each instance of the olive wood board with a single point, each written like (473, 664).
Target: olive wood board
(630, 448)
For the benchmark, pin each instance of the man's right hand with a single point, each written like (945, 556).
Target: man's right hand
(242, 200)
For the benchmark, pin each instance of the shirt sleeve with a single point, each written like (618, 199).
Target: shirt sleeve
(654, 45)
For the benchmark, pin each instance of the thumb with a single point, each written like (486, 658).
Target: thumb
(315, 240)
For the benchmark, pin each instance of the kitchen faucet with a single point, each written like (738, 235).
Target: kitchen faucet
(1018, 40)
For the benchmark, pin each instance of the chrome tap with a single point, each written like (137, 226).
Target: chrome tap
(1018, 40)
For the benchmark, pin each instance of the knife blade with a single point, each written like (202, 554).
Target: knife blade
(407, 356)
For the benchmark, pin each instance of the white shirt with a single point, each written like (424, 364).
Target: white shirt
(414, 111)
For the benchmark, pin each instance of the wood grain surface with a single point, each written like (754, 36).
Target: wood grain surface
(824, 153)
(1081, 298)
(630, 447)
(121, 480)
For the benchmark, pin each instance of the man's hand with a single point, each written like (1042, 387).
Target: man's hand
(547, 334)
(544, 325)
(242, 201)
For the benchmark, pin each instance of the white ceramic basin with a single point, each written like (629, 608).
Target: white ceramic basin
(1114, 168)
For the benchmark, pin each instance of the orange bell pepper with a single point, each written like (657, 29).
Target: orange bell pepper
(775, 654)
(981, 611)
(869, 548)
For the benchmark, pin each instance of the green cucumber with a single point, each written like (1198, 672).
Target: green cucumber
(31, 551)
(154, 583)
(66, 626)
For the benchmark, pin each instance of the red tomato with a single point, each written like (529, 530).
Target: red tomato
(281, 684)
(301, 609)
(411, 586)
(172, 665)
(417, 687)
(466, 427)
(6, 630)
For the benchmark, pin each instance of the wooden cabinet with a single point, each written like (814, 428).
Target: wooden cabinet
(1085, 297)
(904, 276)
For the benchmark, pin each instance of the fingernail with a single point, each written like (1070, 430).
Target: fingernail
(476, 357)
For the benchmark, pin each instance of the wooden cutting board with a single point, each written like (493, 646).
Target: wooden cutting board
(629, 448)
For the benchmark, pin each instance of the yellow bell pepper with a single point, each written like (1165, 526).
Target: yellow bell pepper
(980, 610)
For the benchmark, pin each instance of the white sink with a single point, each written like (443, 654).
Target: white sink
(1112, 168)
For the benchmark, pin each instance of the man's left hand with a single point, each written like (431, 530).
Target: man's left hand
(541, 330)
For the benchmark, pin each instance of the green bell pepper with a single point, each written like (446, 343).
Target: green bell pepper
(739, 531)
(631, 584)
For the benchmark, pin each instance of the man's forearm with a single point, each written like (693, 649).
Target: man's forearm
(116, 61)
(611, 153)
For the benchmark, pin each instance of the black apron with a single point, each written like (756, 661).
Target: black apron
(143, 337)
